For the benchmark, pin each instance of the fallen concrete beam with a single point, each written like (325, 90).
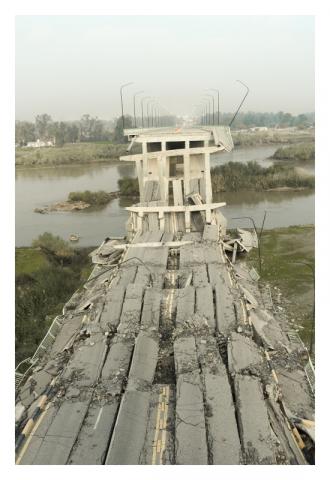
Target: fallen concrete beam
(86, 363)
(151, 310)
(223, 438)
(205, 305)
(116, 366)
(190, 432)
(253, 421)
(185, 355)
(112, 307)
(144, 359)
(185, 304)
(61, 435)
(131, 312)
(130, 430)
(225, 311)
(266, 330)
(93, 439)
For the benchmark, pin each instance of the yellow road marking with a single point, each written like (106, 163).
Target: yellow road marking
(159, 442)
(156, 431)
(29, 438)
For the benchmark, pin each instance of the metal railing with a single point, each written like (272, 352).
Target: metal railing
(44, 345)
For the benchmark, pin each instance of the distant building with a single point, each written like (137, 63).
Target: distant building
(41, 143)
(258, 129)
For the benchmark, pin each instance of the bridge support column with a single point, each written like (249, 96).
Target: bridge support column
(186, 167)
(187, 219)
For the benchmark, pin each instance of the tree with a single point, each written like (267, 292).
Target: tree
(42, 124)
(54, 246)
(118, 136)
(24, 133)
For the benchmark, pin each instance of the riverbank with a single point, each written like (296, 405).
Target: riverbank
(272, 136)
(107, 152)
(302, 152)
(235, 176)
(285, 251)
(70, 154)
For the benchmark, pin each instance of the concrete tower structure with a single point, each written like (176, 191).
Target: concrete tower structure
(174, 177)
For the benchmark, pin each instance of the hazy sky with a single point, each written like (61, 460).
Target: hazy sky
(70, 65)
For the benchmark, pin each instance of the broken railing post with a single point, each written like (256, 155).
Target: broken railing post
(258, 234)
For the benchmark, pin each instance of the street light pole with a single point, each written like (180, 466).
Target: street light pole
(142, 100)
(217, 91)
(134, 96)
(208, 122)
(121, 101)
(208, 95)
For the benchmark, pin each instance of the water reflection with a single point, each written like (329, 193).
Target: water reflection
(41, 186)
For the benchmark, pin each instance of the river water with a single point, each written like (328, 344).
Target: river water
(37, 187)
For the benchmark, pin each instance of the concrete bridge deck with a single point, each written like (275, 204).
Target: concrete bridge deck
(164, 362)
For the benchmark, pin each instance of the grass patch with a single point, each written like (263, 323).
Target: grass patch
(77, 153)
(251, 139)
(283, 250)
(234, 176)
(302, 152)
(29, 260)
(128, 187)
(93, 198)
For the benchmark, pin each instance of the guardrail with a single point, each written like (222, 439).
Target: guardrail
(310, 374)
(44, 345)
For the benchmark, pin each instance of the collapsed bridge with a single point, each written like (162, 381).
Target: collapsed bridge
(170, 354)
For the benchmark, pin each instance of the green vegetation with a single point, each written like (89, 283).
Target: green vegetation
(128, 187)
(79, 153)
(55, 247)
(93, 198)
(234, 176)
(302, 152)
(251, 139)
(44, 282)
(283, 250)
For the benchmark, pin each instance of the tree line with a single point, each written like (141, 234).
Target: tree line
(87, 129)
(263, 119)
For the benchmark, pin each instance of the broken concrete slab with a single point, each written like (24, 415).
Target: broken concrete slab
(204, 304)
(295, 391)
(200, 277)
(86, 363)
(116, 366)
(185, 304)
(35, 386)
(190, 431)
(130, 430)
(266, 330)
(222, 432)
(225, 311)
(113, 303)
(131, 311)
(151, 310)
(144, 359)
(61, 435)
(185, 355)
(253, 421)
(243, 354)
(93, 439)
(218, 273)
(28, 456)
(211, 233)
